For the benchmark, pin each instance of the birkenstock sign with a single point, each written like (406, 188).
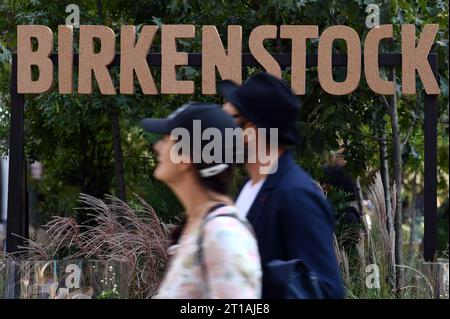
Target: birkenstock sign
(215, 56)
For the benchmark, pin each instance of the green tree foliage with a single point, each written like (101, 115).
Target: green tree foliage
(71, 134)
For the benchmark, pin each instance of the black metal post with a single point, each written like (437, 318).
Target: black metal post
(430, 178)
(16, 220)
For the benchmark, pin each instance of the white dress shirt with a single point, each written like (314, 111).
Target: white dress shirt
(247, 196)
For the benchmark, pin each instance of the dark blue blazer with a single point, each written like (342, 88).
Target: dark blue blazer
(293, 220)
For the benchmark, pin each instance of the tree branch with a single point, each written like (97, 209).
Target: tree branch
(386, 104)
(413, 124)
(408, 134)
(333, 18)
(369, 136)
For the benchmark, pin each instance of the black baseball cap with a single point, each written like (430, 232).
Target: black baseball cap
(210, 116)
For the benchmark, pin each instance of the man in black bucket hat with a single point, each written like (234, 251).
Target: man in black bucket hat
(292, 220)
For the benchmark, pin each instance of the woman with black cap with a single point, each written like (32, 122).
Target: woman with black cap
(216, 254)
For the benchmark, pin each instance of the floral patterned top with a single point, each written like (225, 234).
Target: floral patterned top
(230, 265)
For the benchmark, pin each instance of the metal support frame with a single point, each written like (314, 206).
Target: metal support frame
(17, 222)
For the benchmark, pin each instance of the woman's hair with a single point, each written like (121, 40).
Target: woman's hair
(175, 234)
(220, 183)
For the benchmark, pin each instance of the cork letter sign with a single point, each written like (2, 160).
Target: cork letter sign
(219, 52)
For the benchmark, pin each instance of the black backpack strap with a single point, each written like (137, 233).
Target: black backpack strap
(217, 206)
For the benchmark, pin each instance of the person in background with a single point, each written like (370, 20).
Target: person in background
(292, 220)
(335, 178)
(215, 254)
(340, 189)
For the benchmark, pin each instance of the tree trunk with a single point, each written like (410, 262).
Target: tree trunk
(387, 198)
(359, 200)
(359, 196)
(100, 10)
(413, 217)
(384, 170)
(397, 147)
(118, 155)
(115, 130)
